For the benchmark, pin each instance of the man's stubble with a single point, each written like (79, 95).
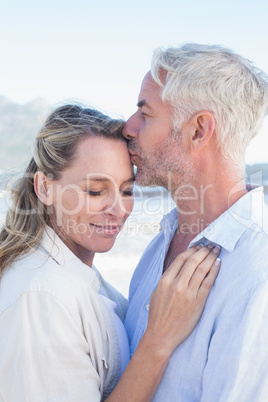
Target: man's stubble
(168, 167)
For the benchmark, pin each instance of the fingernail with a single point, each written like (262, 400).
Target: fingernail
(216, 250)
(210, 246)
(200, 245)
(217, 262)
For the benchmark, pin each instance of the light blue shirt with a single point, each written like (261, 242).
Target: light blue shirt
(226, 356)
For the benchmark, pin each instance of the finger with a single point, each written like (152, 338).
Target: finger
(190, 265)
(209, 280)
(203, 269)
(176, 266)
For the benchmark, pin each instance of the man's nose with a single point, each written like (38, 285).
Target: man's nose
(130, 129)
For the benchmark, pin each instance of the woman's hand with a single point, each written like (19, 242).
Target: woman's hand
(179, 299)
(175, 308)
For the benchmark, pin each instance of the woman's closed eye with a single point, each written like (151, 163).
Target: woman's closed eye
(94, 193)
(127, 192)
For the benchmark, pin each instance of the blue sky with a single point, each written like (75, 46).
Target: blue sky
(99, 51)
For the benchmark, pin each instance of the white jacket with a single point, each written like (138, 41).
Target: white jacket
(58, 341)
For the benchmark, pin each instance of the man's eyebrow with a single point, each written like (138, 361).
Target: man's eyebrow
(143, 103)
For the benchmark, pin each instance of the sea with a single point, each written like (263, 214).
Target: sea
(150, 205)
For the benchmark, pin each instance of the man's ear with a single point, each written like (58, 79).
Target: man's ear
(42, 188)
(201, 129)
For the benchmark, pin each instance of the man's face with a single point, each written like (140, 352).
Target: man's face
(155, 148)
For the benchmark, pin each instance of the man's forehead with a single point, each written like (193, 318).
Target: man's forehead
(148, 76)
(147, 80)
(148, 89)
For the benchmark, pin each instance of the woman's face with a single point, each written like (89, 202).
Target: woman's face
(93, 197)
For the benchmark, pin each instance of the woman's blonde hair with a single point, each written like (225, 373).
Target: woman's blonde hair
(55, 149)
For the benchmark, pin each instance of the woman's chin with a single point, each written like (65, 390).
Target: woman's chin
(104, 248)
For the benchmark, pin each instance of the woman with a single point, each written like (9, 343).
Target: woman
(62, 337)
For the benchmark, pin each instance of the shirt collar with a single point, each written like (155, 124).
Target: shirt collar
(169, 224)
(54, 247)
(227, 229)
(170, 220)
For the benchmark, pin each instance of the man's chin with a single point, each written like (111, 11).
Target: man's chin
(145, 179)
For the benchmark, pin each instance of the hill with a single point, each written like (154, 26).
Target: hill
(19, 125)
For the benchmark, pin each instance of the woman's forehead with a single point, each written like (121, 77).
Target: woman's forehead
(101, 159)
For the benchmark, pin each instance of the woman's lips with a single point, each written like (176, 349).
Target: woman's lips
(108, 230)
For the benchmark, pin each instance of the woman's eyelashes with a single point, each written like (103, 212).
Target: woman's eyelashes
(94, 193)
(127, 190)
(124, 191)
(127, 193)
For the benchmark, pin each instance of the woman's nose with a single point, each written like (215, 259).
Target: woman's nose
(117, 207)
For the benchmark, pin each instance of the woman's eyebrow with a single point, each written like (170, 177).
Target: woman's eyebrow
(130, 180)
(95, 178)
(105, 179)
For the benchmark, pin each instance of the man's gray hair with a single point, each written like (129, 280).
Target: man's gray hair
(214, 78)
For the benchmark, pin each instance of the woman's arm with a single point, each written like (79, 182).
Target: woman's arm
(175, 309)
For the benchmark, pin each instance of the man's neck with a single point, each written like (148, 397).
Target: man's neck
(197, 209)
(200, 204)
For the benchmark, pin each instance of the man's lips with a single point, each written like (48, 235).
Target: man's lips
(133, 156)
(108, 230)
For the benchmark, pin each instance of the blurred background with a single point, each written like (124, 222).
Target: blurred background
(97, 53)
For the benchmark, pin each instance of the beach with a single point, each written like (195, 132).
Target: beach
(118, 265)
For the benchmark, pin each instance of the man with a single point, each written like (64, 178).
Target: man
(198, 109)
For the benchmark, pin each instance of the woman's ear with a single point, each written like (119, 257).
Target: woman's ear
(202, 129)
(42, 187)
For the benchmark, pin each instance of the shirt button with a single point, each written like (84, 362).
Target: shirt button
(147, 307)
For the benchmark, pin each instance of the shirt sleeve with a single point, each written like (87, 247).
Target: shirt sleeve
(237, 365)
(45, 355)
